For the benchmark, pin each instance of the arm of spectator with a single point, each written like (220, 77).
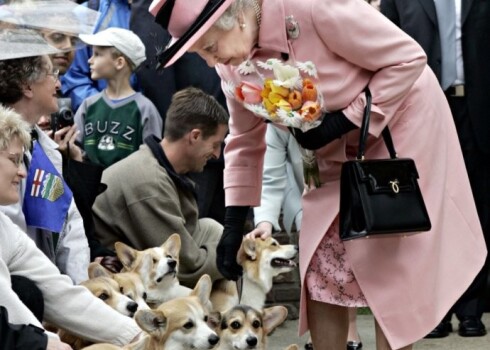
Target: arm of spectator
(72, 307)
(154, 219)
(72, 251)
(152, 121)
(274, 180)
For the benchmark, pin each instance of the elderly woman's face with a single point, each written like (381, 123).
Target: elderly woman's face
(43, 91)
(12, 170)
(226, 47)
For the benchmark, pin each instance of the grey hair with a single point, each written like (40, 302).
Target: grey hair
(230, 16)
(12, 126)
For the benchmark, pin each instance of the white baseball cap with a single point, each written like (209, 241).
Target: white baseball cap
(122, 39)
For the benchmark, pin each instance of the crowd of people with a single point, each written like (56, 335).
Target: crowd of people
(119, 136)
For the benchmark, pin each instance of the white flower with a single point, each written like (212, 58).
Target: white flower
(308, 67)
(286, 76)
(246, 67)
(289, 118)
(269, 63)
(258, 109)
(229, 89)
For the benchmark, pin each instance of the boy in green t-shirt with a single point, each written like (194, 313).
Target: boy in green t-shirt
(114, 122)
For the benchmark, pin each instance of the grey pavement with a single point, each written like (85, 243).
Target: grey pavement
(287, 334)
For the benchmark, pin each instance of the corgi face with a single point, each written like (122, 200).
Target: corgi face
(245, 328)
(131, 285)
(182, 323)
(106, 289)
(157, 267)
(264, 259)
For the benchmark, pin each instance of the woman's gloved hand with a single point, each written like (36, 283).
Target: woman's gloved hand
(230, 242)
(333, 126)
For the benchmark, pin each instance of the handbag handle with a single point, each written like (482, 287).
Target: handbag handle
(365, 128)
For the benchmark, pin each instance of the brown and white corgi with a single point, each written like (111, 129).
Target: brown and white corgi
(178, 324)
(161, 282)
(245, 328)
(262, 260)
(123, 292)
(129, 284)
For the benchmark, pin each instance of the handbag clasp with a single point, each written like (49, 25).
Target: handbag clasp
(394, 186)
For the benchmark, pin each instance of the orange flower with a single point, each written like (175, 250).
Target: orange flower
(295, 99)
(310, 111)
(249, 93)
(309, 92)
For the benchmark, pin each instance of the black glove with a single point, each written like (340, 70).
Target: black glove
(333, 126)
(230, 242)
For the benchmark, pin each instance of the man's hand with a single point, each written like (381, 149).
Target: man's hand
(55, 344)
(262, 230)
(65, 138)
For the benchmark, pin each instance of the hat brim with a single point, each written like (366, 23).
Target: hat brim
(178, 46)
(93, 40)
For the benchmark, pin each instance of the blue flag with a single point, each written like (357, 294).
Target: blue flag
(47, 197)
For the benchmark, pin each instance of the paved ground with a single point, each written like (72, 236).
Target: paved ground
(286, 334)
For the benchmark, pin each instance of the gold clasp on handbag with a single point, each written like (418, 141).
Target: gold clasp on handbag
(394, 186)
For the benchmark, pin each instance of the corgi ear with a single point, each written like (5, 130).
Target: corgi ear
(203, 289)
(247, 251)
(214, 319)
(145, 265)
(95, 269)
(126, 255)
(151, 321)
(172, 245)
(273, 317)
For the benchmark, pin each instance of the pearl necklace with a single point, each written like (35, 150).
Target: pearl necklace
(258, 12)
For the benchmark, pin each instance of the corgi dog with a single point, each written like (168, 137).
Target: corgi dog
(104, 287)
(129, 283)
(178, 324)
(124, 292)
(160, 282)
(262, 260)
(245, 328)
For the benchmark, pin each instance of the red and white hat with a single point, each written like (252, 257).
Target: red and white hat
(186, 21)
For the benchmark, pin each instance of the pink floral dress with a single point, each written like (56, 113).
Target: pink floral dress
(329, 277)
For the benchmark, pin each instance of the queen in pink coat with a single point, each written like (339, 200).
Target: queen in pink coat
(342, 46)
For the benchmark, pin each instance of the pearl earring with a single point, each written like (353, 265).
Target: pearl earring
(243, 26)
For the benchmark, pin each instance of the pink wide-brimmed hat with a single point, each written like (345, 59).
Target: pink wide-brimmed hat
(186, 21)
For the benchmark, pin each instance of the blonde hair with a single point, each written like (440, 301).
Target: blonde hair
(12, 126)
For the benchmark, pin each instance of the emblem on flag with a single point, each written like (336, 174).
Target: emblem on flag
(47, 198)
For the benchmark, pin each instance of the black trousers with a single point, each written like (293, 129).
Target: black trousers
(472, 302)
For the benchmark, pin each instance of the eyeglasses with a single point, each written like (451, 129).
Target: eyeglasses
(55, 74)
(16, 158)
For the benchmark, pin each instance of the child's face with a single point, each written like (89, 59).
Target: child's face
(102, 64)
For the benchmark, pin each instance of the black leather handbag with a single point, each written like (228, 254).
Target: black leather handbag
(380, 196)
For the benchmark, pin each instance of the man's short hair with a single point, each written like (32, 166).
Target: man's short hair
(192, 108)
(18, 72)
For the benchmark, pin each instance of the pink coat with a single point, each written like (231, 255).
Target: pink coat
(409, 282)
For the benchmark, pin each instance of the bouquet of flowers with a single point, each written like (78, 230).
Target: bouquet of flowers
(287, 98)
